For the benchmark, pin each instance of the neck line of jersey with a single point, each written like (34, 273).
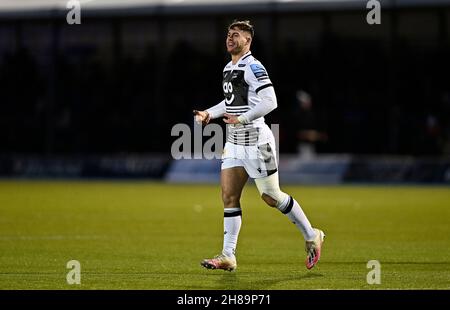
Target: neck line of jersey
(241, 58)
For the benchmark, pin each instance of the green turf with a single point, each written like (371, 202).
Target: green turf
(143, 235)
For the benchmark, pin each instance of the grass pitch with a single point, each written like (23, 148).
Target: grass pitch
(144, 235)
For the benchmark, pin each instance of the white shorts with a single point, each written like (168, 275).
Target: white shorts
(258, 160)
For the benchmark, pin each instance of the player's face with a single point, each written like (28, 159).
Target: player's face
(236, 41)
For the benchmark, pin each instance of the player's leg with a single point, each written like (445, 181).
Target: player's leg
(273, 196)
(271, 193)
(232, 182)
(266, 180)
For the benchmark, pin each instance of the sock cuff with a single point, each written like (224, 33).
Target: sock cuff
(286, 207)
(231, 212)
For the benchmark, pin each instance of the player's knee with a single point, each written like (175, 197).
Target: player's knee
(274, 199)
(230, 200)
(269, 200)
(270, 190)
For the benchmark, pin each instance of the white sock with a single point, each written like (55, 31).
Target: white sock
(231, 224)
(294, 212)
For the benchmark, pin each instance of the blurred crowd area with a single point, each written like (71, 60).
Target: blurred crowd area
(119, 84)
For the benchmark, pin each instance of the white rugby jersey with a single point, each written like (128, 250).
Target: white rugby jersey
(241, 84)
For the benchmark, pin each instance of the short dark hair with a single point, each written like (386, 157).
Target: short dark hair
(243, 25)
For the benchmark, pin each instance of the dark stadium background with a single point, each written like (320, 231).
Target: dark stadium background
(121, 79)
(117, 83)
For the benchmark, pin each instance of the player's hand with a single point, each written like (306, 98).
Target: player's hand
(201, 117)
(231, 119)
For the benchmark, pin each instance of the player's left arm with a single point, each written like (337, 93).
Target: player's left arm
(257, 77)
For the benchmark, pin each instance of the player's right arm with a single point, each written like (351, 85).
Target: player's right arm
(213, 112)
(256, 76)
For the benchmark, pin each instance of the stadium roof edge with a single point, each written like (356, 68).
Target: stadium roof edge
(90, 8)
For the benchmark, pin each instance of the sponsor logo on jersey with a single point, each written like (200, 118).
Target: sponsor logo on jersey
(259, 71)
(241, 65)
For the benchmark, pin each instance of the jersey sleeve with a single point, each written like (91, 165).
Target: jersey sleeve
(217, 111)
(256, 76)
(267, 104)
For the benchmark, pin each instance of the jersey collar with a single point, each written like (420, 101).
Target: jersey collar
(245, 56)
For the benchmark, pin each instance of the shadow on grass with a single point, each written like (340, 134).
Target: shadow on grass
(243, 281)
(234, 281)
